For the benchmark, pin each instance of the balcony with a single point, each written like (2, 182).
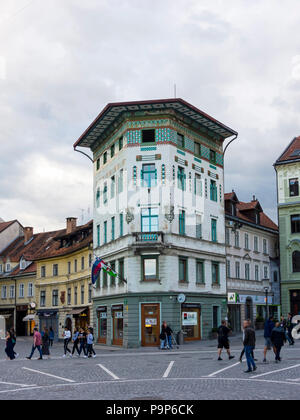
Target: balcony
(148, 240)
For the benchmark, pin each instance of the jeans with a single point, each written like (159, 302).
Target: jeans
(250, 360)
(66, 342)
(163, 344)
(170, 341)
(82, 347)
(33, 350)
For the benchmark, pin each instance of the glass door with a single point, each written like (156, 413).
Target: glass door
(117, 315)
(102, 326)
(150, 324)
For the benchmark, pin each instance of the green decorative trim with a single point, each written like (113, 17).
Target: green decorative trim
(148, 149)
(212, 167)
(197, 160)
(181, 152)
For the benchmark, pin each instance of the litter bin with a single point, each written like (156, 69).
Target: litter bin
(180, 339)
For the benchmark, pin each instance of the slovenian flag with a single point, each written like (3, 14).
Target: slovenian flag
(99, 265)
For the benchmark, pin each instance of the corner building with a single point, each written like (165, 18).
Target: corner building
(158, 220)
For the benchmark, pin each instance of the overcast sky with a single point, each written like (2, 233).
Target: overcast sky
(62, 61)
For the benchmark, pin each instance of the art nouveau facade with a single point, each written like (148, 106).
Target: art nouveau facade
(158, 220)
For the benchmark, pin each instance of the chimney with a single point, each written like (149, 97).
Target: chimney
(71, 224)
(254, 198)
(28, 233)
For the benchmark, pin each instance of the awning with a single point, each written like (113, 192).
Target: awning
(78, 311)
(28, 318)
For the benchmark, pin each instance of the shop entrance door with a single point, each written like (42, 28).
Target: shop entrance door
(102, 326)
(150, 324)
(191, 323)
(117, 318)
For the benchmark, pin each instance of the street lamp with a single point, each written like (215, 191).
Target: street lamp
(266, 298)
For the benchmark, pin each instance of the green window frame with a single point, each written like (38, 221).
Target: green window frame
(98, 235)
(105, 232)
(149, 220)
(121, 224)
(215, 272)
(149, 175)
(182, 222)
(105, 189)
(213, 191)
(200, 272)
(214, 230)
(113, 228)
(120, 143)
(183, 270)
(181, 178)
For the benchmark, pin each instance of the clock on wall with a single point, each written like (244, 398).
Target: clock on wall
(181, 298)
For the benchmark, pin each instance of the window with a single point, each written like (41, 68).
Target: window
(265, 250)
(150, 268)
(215, 273)
(295, 223)
(294, 187)
(228, 269)
(112, 278)
(212, 156)
(198, 185)
(183, 270)
(69, 267)
(98, 164)
(247, 271)
(55, 270)
(75, 266)
(69, 296)
(237, 270)
(213, 230)
(148, 136)
(255, 243)
(121, 224)
(90, 260)
(105, 193)
(105, 232)
(90, 293)
(43, 271)
(227, 236)
(11, 292)
(237, 239)
(120, 187)
(266, 272)
(112, 228)
(246, 241)
(149, 220)
(104, 279)
(120, 143)
(121, 271)
(296, 261)
(55, 298)
(256, 273)
(4, 292)
(104, 158)
(112, 151)
(98, 235)
(98, 198)
(30, 290)
(181, 178)
(275, 277)
(213, 191)
(149, 175)
(197, 149)
(43, 298)
(82, 295)
(82, 263)
(7, 268)
(182, 222)
(200, 272)
(180, 140)
(112, 186)
(198, 227)
(75, 295)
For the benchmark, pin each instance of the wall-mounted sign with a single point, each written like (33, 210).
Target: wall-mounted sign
(189, 318)
(149, 322)
(233, 298)
(118, 314)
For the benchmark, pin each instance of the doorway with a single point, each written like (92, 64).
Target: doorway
(191, 321)
(102, 325)
(117, 321)
(150, 324)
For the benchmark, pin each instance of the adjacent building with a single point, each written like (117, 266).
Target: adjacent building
(252, 263)
(63, 279)
(287, 169)
(158, 220)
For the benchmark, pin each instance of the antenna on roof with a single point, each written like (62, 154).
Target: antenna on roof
(175, 90)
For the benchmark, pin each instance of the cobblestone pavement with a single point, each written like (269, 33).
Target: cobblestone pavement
(191, 372)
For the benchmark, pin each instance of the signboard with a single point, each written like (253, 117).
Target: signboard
(149, 322)
(189, 318)
(103, 315)
(257, 300)
(118, 314)
(233, 298)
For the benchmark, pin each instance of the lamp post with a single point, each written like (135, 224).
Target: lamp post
(267, 307)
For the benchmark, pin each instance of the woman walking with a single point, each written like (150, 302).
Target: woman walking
(51, 336)
(14, 341)
(76, 341)
(82, 342)
(67, 338)
(9, 349)
(45, 343)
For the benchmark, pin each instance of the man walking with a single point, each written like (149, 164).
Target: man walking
(223, 341)
(278, 339)
(249, 345)
(37, 341)
(269, 326)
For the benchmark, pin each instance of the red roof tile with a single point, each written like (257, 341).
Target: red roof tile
(5, 225)
(290, 152)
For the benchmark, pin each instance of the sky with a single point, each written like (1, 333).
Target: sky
(62, 61)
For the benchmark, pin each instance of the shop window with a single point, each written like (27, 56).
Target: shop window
(216, 316)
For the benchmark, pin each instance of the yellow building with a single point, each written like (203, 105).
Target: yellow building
(63, 280)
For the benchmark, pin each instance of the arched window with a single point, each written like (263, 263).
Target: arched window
(296, 262)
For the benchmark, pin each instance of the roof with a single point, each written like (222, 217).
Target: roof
(5, 225)
(291, 153)
(112, 114)
(242, 207)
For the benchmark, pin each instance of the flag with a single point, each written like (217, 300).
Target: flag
(99, 265)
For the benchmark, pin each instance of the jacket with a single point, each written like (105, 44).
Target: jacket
(278, 337)
(249, 337)
(165, 331)
(269, 326)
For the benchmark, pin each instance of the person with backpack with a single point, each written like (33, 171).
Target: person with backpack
(223, 341)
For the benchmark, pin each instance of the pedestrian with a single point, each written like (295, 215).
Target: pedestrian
(249, 345)
(269, 326)
(9, 349)
(82, 342)
(90, 340)
(243, 351)
(67, 338)
(166, 336)
(223, 341)
(45, 343)
(283, 324)
(290, 327)
(51, 336)
(75, 342)
(14, 341)
(37, 341)
(278, 339)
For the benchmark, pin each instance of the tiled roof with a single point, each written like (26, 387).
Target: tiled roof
(292, 152)
(5, 225)
(247, 206)
(30, 269)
